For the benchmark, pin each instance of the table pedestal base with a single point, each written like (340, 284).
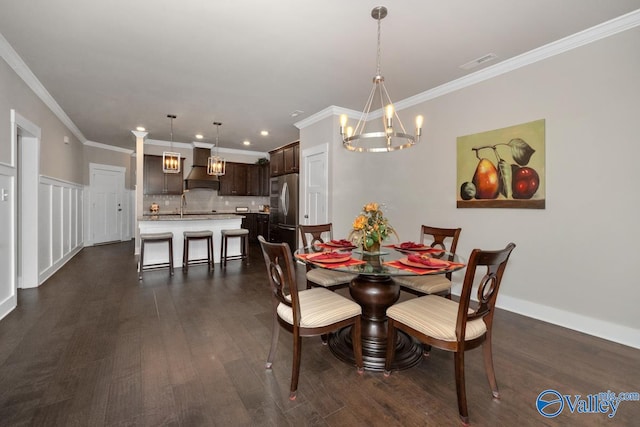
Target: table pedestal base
(375, 294)
(408, 351)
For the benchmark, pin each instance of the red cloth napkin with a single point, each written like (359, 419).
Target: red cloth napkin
(421, 271)
(346, 263)
(329, 255)
(342, 242)
(336, 244)
(430, 262)
(410, 245)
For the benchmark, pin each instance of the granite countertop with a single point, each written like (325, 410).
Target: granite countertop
(189, 217)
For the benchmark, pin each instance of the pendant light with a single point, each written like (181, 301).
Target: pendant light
(215, 164)
(171, 159)
(393, 136)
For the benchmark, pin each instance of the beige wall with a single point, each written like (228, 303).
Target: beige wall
(57, 159)
(109, 157)
(575, 263)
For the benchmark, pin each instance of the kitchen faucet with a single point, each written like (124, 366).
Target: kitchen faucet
(183, 203)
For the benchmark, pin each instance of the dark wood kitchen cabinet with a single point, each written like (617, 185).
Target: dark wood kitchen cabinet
(276, 162)
(292, 158)
(257, 224)
(285, 159)
(262, 226)
(234, 181)
(155, 181)
(253, 180)
(265, 178)
(258, 180)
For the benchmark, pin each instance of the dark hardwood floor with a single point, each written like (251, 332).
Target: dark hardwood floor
(95, 347)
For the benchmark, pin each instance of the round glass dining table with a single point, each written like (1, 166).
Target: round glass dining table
(375, 290)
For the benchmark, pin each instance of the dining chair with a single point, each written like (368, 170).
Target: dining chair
(439, 284)
(455, 326)
(312, 235)
(305, 313)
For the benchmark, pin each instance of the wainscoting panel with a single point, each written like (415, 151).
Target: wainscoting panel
(60, 207)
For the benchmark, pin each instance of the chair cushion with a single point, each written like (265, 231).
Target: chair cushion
(425, 284)
(198, 234)
(156, 236)
(328, 278)
(235, 232)
(434, 316)
(320, 307)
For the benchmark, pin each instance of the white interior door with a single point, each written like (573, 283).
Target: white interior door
(315, 186)
(107, 188)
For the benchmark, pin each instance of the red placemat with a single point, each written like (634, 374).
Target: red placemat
(335, 247)
(421, 271)
(347, 263)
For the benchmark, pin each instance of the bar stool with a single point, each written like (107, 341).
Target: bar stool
(243, 234)
(155, 238)
(197, 235)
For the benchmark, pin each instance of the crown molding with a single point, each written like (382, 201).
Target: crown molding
(22, 70)
(590, 35)
(107, 147)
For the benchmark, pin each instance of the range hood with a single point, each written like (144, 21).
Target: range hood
(198, 177)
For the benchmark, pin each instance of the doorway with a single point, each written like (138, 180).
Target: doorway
(106, 201)
(316, 182)
(26, 137)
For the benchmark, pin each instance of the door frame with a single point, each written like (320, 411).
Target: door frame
(321, 149)
(28, 175)
(120, 171)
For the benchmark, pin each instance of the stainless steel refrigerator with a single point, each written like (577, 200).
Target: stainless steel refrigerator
(284, 209)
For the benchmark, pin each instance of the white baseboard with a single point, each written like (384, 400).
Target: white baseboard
(599, 328)
(7, 306)
(48, 272)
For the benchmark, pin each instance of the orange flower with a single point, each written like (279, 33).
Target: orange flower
(371, 207)
(359, 222)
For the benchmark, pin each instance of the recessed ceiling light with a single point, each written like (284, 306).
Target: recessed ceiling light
(140, 129)
(246, 142)
(296, 113)
(264, 133)
(199, 136)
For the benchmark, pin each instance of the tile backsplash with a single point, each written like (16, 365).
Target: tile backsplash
(202, 200)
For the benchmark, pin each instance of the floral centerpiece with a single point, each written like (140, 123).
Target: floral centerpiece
(370, 228)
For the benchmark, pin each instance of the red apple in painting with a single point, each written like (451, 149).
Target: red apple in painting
(524, 182)
(486, 180)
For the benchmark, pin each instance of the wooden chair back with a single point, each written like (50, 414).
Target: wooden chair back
(314, 234)
(442, 238)
(495, 263)
(282, 276)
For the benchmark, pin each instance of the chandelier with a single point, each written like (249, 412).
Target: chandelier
(216, 164)
(171, 159)
(393, 136)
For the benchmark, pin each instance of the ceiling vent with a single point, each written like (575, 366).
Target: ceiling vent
(478, 61)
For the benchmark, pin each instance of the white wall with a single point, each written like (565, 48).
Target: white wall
(574, 261)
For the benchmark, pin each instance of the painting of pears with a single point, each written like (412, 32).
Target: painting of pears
(502, 168)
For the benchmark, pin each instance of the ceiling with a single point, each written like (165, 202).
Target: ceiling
(115, 65)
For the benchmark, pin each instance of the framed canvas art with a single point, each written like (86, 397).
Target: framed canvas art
(502, 168)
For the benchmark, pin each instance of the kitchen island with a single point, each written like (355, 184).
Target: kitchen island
(177, 224)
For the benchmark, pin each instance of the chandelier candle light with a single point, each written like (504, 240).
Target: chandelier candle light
(216, 165)
(392, 137)
(171, 159)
